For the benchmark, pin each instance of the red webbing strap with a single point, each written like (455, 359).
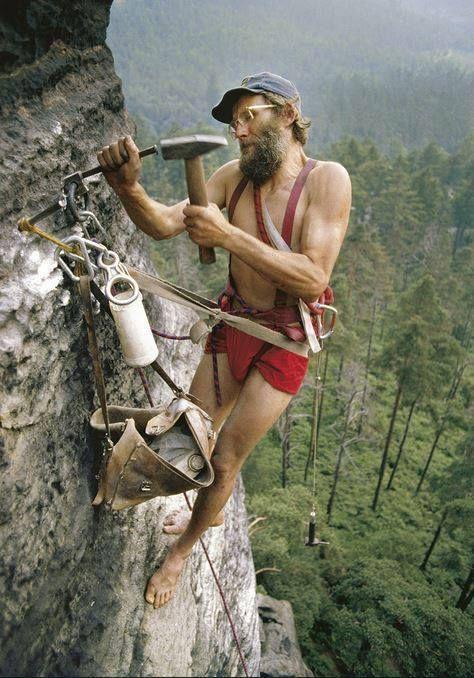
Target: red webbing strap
(240, 188)
(257, 201)
(281, 298)
(287, 228)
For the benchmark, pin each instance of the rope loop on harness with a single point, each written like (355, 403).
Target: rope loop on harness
(76, 212)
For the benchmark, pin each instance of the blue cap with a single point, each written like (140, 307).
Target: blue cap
(255, 84)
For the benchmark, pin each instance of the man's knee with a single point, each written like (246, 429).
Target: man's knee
(230, 452)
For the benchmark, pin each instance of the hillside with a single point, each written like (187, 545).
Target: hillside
(397, 72)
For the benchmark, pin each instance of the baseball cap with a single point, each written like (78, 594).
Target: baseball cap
(255, 84)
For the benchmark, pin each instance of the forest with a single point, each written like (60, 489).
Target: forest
(382, 428)
(380, 438)
(392, 70)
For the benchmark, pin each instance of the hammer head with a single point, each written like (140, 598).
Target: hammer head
(184, 148)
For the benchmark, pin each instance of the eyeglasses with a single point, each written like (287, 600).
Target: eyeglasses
(246, 116)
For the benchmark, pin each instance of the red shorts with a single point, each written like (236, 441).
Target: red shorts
(282, 369)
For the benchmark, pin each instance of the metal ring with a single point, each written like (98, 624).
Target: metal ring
(122, 278)
(111, 255)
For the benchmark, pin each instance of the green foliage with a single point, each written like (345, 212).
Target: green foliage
(372, 68)
(385, 620)
(366, 608)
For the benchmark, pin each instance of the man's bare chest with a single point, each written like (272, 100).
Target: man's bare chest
(244, 214)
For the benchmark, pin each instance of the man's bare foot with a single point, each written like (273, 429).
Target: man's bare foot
(177, 521)
(162, 584)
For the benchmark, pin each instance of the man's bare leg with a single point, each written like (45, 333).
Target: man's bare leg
(246, 425)
(202, 387)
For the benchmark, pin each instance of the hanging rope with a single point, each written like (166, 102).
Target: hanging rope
(316, 412)
(206, 552)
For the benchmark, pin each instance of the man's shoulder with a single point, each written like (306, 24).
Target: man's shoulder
(328, 175)
(228, 174)
(328, 169)
(223, 182)
(230, 171)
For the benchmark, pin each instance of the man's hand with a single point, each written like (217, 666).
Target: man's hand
(207, 226)
(120, 164)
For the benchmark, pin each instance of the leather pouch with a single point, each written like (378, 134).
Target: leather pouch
(157, 452)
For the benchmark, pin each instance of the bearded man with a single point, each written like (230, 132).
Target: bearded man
(309, 202)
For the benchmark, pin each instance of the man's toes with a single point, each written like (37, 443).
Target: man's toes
(170, 518)
(160, 600)
(172, 529)
(150, 593)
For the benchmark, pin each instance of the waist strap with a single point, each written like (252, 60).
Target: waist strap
(207, 308)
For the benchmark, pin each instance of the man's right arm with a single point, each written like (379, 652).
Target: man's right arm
(121, 166)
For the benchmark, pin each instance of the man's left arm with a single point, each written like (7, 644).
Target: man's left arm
(305, 274)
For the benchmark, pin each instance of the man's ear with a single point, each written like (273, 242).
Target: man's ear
(289, 113)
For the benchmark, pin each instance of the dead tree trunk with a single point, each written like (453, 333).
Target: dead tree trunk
(387, 445)
(467, 592)
(402, 444)
(430, 456)
(434, 540)
(450, 397)
(340, 455)
(367, 363)
(285, 431)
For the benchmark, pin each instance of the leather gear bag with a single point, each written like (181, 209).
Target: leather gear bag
(157, 452)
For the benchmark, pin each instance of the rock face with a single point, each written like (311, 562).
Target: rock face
(72, 578)
(281, 654)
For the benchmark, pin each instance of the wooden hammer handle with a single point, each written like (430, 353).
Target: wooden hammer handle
(198, 196)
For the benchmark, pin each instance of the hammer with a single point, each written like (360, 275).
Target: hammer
(190, 149)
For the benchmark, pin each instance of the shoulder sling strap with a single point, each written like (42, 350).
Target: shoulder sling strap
(240, 188)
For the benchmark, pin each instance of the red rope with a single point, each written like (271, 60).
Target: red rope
(165, 335)
(206, 553)
(221, 592)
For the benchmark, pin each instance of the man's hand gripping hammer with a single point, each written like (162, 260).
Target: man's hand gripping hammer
(190, 149)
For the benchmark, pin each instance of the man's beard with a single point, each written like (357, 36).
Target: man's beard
(262, 158)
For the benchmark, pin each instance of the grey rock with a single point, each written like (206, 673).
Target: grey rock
(72, 578)
(281, 655)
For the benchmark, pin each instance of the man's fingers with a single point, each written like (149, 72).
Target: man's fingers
(114, 150)
(130, 146)
(122, 150)
(101, 161)
(193, 211)
(108, 158)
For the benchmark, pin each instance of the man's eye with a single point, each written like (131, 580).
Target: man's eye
(247, 116)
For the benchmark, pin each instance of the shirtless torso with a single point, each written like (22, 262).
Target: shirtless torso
(251, 406)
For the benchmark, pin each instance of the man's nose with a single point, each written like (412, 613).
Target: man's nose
(242, 130)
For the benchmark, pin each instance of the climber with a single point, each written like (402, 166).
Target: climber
(256, 380)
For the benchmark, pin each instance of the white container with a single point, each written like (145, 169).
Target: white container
(137, 341)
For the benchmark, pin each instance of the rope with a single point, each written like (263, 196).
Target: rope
(175, 337)
(224, 601)
(318, 395)
(206, 552)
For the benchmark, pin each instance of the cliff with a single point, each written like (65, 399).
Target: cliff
(72, 577)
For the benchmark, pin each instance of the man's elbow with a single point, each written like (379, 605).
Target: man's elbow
(316, 286)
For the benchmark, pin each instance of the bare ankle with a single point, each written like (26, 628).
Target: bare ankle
(178, 551)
